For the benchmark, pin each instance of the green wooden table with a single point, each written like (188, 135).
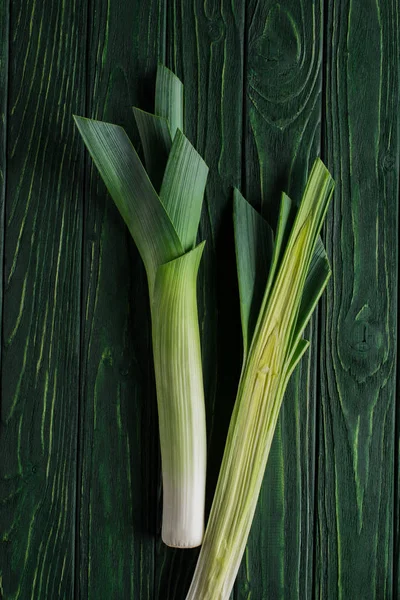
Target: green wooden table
(268, 87)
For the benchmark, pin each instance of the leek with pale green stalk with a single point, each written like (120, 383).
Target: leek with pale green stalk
(275, 308)
(161, 207)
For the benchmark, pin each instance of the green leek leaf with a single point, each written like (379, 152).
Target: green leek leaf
(156, 141)
(169, 98)
(133, 193)
(254, 248)
(182, 189)
(298, 352)
(317, 279)
(282, 233)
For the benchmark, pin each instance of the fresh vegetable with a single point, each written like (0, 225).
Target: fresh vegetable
(276, 305)
(161, 207)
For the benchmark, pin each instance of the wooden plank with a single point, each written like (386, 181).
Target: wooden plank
(282, 138)
(205, 49)
(118, 433)
(4, 47)
(4, 43)
(40, 364)
(396, 545)
(356, 468)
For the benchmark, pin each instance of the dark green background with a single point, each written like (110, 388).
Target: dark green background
(268, 87)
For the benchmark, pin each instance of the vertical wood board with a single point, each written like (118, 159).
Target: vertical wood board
(283, 57)
(358, 349)
(41, 307)
(118, 426)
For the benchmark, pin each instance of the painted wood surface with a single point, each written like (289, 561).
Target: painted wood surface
(269, 86)
(283, 57)
(117, 480)
(356, 472)
(40, 365)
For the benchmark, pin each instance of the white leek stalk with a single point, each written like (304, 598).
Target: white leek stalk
(272, 348)
(180, 399)
(161, 208)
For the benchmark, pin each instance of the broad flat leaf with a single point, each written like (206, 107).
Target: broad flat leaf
(298, 352)
(156, 141)
(319, 184)
(283, 301)
(282, 234)
(182, 189)
(317, 278)
(254, 247)
(309, 218)
(132, 191)
(169, 98)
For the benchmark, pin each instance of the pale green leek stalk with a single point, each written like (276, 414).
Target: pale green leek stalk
(272, 348)
(161, 208)
(177, 361)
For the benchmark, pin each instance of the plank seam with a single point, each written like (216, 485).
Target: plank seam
(80, 408)
(235, 593)
(7, 44)
(156, 448)
(396, 462)
(246, 30)
(321, 311)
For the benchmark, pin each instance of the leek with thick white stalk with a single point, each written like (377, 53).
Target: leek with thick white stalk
(273, 345)
(161, 208)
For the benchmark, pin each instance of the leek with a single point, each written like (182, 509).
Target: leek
(161, 206)
(273, 320)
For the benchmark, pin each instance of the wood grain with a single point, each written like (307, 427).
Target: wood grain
(356, 468)
(396, 528)
(282, 137)
(4, 58)
(80, 492)
(118, 427)
(4, 44)
(40, 362)
(205, 49)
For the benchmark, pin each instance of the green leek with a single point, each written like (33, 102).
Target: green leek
(161, 206)
(272, 321)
